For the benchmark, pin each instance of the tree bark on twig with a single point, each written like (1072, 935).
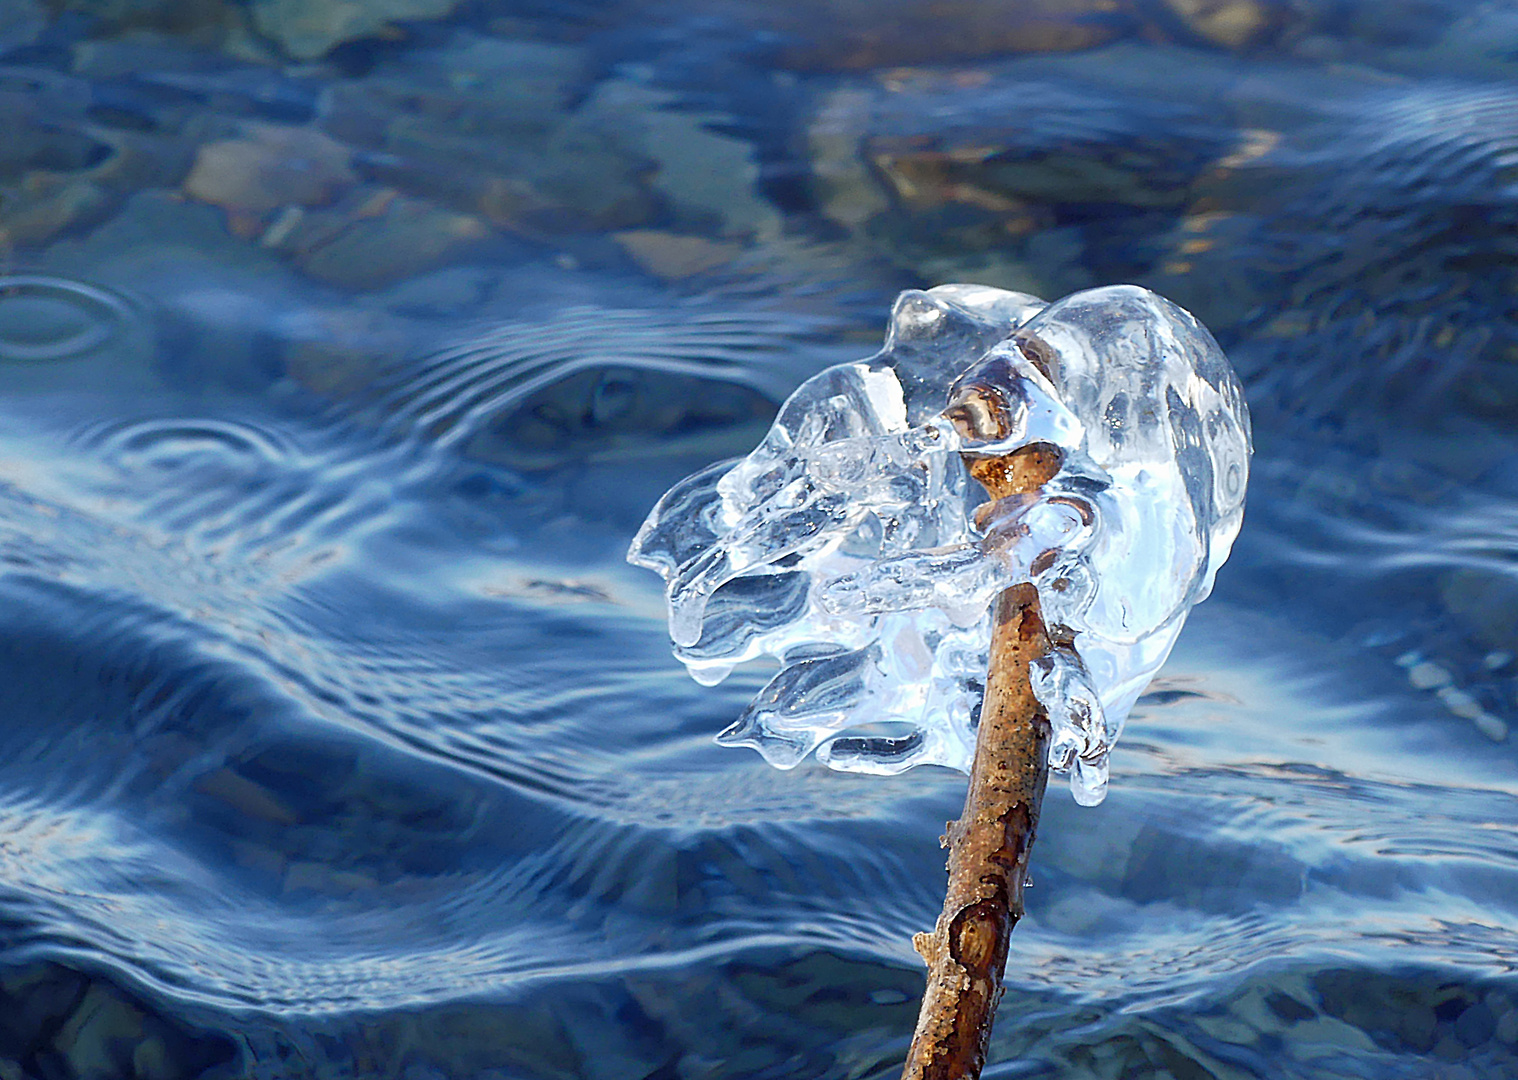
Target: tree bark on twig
(989, 845)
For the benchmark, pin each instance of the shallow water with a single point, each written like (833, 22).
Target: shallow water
(341, 741)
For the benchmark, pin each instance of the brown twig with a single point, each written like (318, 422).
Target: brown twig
(990, 843)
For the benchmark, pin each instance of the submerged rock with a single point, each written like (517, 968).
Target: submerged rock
(707, 179)
(672, 256)
(1234, 24)
(62, 169)
(307, 29)
(58, 1022)
(374, 239)
(45, 205)
(862, 34)
(43, 132)
(206, 22)
(101, 1035)
(1011, 175)
(270, 166)
(489, 127)
(515, 131)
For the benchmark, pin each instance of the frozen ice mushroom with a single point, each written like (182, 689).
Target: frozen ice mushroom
(852, 546)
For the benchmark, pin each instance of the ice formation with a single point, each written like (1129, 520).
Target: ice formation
(852, 545)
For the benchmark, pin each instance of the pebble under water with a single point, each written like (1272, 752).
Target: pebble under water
(342, 356)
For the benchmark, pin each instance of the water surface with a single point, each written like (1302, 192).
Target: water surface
(340, 361)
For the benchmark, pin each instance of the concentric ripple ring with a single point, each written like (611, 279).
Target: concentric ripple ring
(46, 318)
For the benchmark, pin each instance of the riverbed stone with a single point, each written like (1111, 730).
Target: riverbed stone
(490, 128)
(515, 132)
(984, 196)
(57, 1022)
(1484, 604)
(671, 256)
(99, 1039)
(45, 205)
(708, 179)
(202, 22)
(1506, 1028)
(336, 353)
(32, 998)
(1233, 24)
(56, 182)
(270, 166)
(307, 29)
(375, 238)
(865, 34)
(1476, 1025)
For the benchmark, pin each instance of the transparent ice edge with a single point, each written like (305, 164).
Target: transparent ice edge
(852, 546)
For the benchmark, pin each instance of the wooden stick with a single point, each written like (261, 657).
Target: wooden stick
(989, 845)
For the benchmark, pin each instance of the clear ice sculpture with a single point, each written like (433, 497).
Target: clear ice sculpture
(852, 545)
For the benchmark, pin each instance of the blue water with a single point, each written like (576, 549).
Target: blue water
(339, 740)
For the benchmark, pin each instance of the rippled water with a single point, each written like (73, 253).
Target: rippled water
(339, 740)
